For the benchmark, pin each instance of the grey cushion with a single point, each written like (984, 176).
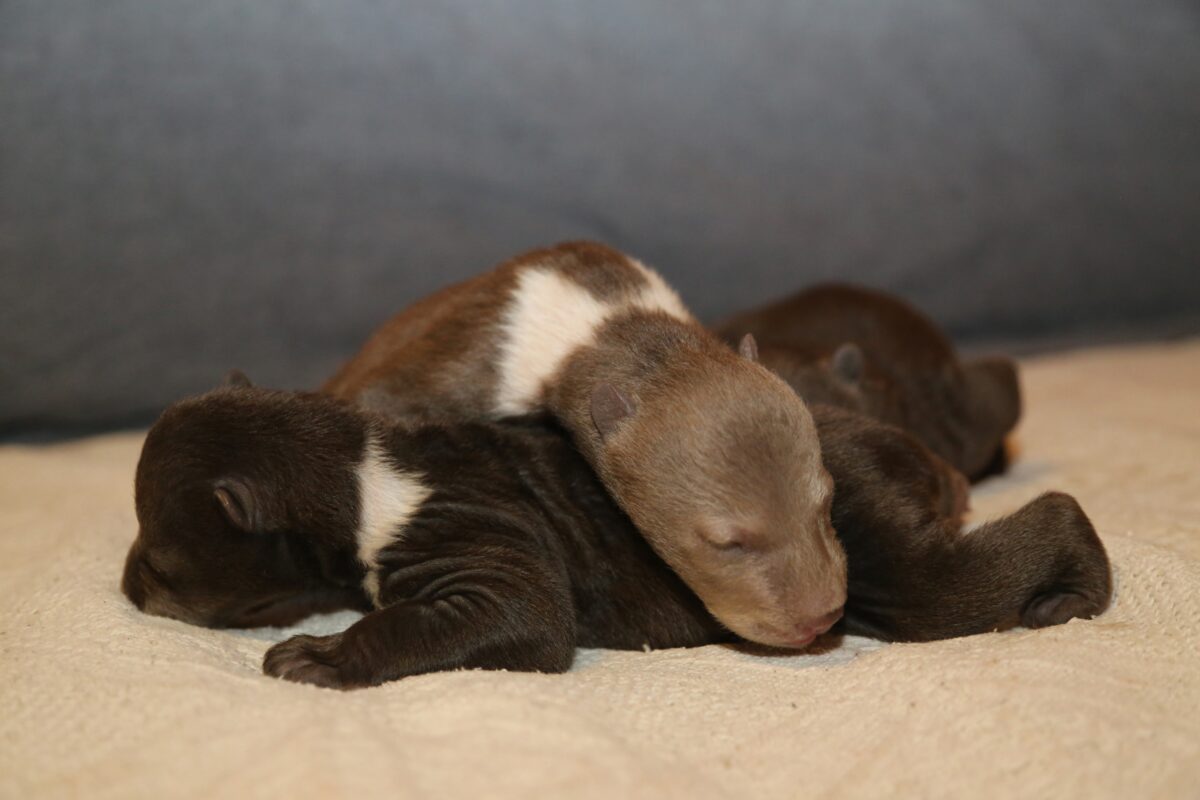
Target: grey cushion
(187, 187)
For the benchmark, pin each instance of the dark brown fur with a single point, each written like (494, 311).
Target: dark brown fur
(191, 563)
(915, 575)
(911, 375)
(519, 555)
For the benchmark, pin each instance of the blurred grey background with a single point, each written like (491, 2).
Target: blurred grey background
(191, 186)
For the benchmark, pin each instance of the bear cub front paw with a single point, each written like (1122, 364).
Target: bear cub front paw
(307, 659)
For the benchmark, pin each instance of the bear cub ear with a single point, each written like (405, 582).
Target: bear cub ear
(748, 347)
(236, 379)
(237, 501)
(609, 408)
(847, 363)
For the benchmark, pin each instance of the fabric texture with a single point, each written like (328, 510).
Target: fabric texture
(101, 701)
(190, 187)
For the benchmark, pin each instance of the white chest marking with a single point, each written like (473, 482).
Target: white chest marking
(388, 498)
(549, 317)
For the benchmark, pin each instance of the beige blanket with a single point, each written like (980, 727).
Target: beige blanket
(100, 701)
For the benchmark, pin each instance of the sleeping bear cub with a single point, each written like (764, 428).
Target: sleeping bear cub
(714, 458)
(872, 352)
(494, 545)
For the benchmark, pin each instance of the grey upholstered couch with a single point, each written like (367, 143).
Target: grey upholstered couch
(186, 187)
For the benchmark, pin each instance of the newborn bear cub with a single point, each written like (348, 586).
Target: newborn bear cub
(713, 457)
(869, 351)
(493, 545)
(915, 575)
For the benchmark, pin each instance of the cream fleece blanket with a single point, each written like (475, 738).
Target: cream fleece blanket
(101, 701)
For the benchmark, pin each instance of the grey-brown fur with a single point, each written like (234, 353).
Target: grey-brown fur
(761, 482)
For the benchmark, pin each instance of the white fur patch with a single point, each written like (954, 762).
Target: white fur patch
(388, 498)
(658, 296)
(549, 317)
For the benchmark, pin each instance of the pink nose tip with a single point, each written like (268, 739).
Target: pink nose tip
(810, 629)
(825, 622)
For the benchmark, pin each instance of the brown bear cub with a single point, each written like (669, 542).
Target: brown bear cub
(714, 458)
(494, 545)
(868, 351)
